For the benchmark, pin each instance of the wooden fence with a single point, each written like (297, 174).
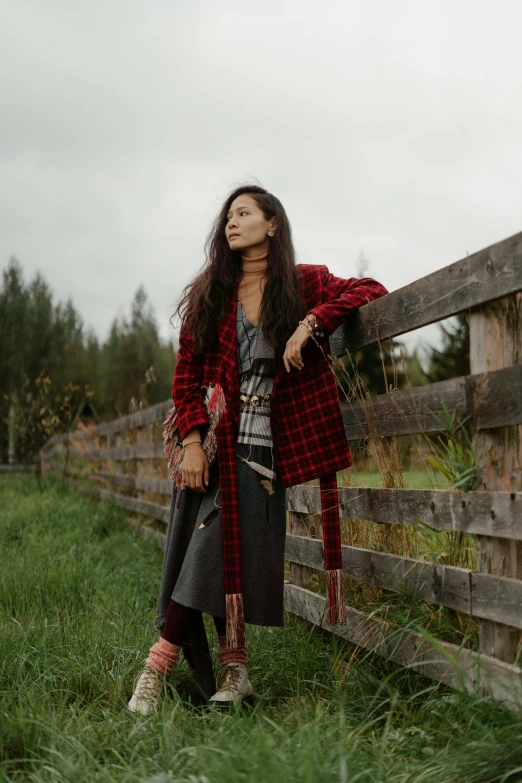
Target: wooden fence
(17, 469)
(124, 460)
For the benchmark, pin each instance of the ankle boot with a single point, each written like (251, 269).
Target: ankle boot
(147, 691)
(236, 685)
(149, 683)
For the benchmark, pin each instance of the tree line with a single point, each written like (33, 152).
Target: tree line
(52, 367)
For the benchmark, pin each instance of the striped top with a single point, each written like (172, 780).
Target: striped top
(255, 378)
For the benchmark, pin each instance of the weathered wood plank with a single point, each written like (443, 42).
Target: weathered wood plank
(152, 510)
(150, 484)
(136, 451)
(298, 525)
(491, 398)
(17, 468)
(488, 513)
(496, 344)
(150, 415)
(496, 514)
(489, 274)
(439, 584)
(404, 412)
(494, 399)
(123, 452)
(441, 661)
(479, 595)
(146, 483)
(497, 598)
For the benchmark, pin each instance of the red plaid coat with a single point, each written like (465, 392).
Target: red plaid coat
(307, 427)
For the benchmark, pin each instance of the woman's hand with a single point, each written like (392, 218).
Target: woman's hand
(292, 354)
(195, 468)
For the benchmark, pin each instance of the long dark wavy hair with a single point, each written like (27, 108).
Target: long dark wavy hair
(204, 300)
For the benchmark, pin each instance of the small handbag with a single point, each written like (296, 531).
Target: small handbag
(215, 403)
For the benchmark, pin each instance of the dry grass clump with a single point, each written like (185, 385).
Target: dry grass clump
(381, 461)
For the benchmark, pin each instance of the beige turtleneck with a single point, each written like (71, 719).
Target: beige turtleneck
(252, 285)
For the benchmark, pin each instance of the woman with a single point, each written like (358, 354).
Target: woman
(255, 326)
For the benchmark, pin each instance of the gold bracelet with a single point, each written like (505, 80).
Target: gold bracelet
(190, 442)
(317, 330)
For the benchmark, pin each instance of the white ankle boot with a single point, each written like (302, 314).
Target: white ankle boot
(147, 691)
(236, 685)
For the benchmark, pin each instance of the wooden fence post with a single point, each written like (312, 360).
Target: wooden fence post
(298, 573)
(145, 467)
(495, 343)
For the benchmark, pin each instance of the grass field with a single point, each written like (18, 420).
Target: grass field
(413, 479)
(77, 596)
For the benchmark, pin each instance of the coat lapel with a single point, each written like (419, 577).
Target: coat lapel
(228, 352)
(263, 349)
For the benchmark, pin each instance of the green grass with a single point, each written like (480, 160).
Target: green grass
(413, 479)
(77, 596)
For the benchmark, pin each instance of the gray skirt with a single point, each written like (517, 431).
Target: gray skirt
(262, 518)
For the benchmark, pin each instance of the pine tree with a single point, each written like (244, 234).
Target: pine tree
(452, 359)
(14, 339)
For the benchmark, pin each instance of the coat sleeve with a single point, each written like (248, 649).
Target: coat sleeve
(342, 296)
(186, 386)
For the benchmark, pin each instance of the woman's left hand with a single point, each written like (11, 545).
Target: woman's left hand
(292, 354)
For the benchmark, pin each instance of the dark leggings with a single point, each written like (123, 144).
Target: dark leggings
(178, 622)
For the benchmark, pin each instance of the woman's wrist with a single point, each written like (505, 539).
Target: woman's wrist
(313, 325)
(192, 436)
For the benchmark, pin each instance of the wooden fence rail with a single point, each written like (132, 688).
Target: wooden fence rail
(17, 469)
(122, 461)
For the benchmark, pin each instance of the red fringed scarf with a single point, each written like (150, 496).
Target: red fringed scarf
(335, 606)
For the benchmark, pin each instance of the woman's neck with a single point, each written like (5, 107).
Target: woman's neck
(255, 267)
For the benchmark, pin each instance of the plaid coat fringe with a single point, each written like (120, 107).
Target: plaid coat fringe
(305, 419)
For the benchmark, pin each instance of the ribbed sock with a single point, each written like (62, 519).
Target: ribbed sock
(162, 656)
(237, 655)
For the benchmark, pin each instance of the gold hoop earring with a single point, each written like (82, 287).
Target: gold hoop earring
(271, 232)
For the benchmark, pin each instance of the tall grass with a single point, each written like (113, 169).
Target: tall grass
(77, 596)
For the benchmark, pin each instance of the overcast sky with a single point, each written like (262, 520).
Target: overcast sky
(392, 128)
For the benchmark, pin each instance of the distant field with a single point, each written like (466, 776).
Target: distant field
(77, 596)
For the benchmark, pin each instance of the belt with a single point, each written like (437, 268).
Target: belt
(253, 399)
(245, 399)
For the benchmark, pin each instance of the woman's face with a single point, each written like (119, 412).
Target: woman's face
(246, 224)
